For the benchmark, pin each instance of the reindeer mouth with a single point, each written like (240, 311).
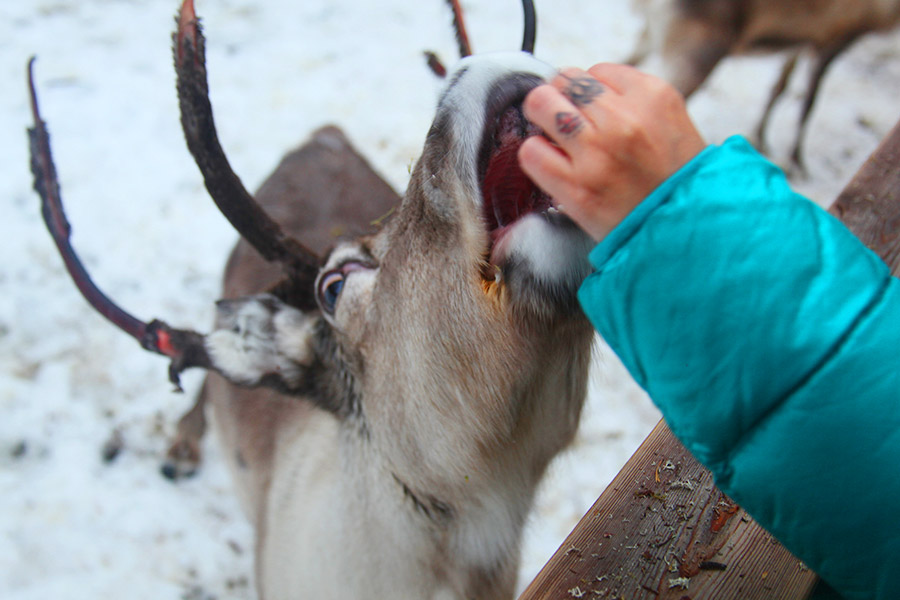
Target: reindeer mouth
(508, 194)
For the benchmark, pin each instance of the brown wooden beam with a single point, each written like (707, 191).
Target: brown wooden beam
(662, 530)
(870, 204)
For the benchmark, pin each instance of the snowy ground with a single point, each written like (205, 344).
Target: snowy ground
(73, 526)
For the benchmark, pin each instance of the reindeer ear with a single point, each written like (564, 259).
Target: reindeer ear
(260, 340)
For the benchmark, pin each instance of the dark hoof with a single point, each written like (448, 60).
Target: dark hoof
(169, 471)
(182, 460)
(173, 471)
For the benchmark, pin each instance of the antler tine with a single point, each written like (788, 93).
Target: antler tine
(434, 63)
(226, 189)
(530, 32)
(459, 26)
(184, 347)
(462, 39)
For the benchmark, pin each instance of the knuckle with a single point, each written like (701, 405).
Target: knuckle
(629, 130)
(667, 95)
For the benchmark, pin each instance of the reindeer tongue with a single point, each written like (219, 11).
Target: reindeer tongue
(508, 193)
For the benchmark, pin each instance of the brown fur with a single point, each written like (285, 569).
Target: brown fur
(692, 36)
(302, 197)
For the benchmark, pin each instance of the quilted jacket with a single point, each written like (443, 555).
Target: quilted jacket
(769, 337)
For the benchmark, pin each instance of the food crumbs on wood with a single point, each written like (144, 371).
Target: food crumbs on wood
(721, 514)
(682, 484)
(679, 582)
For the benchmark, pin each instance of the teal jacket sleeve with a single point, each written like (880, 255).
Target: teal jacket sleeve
(769, 337)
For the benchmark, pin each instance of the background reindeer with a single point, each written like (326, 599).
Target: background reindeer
(692, 36)
(74, 525)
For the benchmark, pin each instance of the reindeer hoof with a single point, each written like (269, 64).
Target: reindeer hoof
(182, 460)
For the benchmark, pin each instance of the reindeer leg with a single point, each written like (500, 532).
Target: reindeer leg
(183, 457)
(759, 136)
(694, 43)
(825, 57)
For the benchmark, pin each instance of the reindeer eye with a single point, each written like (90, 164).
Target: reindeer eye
(330, 286)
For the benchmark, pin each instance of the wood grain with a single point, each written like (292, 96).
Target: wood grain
(663, 530)
(870, 204)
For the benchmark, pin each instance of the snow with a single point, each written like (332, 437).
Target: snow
(74, 526)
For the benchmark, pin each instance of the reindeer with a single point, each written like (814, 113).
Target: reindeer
(388, 408)
(692, 36)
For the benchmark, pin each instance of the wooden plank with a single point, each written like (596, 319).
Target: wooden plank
(870, 204)
(662, 530)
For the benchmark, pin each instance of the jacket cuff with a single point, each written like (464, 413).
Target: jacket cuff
(625, 230)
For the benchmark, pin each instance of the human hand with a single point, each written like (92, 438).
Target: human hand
(614, 134)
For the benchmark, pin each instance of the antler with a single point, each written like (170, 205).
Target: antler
(185, 348)
(462, 38)
(530, 28)
(301, 265)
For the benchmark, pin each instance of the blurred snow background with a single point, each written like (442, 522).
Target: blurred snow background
(74, 526)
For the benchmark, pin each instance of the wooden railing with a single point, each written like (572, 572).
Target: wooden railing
(662, 530)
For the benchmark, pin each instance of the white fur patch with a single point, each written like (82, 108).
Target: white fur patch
(554, 254)
(254, 340)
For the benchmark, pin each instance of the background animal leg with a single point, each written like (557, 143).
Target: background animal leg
(825, 57)
(183, 457)
(759, 136)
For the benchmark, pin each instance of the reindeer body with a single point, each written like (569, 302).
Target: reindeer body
(455, 389)
(690, 37)
(388, 406)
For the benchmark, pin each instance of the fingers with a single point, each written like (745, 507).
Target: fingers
(567, 110)
(620, 78)
(550, 169)
(614, 135)
(546, 165)
(580, 87)
(577, 102)
(547, 108)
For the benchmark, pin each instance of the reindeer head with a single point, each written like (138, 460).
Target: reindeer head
(463, 304)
